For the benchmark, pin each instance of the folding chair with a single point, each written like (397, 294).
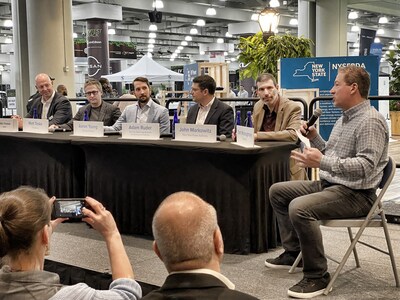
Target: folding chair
(375, 218)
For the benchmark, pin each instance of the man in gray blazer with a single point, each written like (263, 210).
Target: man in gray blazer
(50, 105)
(208, 109)
(96, 110)
(145, 110)
(189, 242)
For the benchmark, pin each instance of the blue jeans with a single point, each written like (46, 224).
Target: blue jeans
(299, 205)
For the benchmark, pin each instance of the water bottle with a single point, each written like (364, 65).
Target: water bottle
(35, 114)
(238, 117)
(175, 120)
(249, 122)
(86, 116)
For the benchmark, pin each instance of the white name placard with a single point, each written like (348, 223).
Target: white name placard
(141, 131)
(245, 137)
(8, 125)
(196, 133)
(36, 125)
(88, 128)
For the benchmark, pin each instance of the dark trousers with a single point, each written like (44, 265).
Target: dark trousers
(299, 205)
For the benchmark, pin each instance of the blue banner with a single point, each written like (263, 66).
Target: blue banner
(320, 73)
(189, 73)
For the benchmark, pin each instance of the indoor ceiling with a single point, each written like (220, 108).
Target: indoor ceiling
(179, 16)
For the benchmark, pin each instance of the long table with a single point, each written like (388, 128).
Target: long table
(132, 177)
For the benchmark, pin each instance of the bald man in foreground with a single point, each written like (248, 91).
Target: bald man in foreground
(189, 242)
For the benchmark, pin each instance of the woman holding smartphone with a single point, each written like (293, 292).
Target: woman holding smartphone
(25, 232)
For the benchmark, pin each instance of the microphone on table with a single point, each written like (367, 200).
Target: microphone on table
(221, 137)
(311, 121)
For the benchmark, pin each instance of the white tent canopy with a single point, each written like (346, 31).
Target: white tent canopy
(145, 67)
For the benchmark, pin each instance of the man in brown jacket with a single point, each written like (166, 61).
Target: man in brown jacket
(276, 118)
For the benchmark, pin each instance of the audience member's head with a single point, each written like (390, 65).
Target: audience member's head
(203, 89)
(141, 87)
(93, 92)
(186, 233)
(44, 85)
(25, 224)
(62, 89)
(106, 86)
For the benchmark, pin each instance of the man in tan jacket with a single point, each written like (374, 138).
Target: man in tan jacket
(276, 118)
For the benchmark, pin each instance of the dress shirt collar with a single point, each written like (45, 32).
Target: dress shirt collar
(218, 275)
(148, 104)
(353, 111)
(208, 105)
(50, 99)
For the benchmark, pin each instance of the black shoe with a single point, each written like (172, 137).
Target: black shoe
(284, 261)
(309, 287)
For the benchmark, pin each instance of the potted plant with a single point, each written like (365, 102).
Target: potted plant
(393, 58)
(259, 56)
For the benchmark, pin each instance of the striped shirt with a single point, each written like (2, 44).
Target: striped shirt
(357, 150)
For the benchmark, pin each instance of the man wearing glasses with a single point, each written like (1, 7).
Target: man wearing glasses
(96, 110)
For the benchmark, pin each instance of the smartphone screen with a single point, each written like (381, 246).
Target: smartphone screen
(68, 208)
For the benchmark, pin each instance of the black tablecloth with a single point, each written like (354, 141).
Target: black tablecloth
(48, 161)
(131, 178)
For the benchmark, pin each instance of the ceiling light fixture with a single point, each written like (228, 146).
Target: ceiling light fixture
(211, 11)
(153, 27)
(111, 31)
(377, 40)
(152, 41)
(150, 46)
(188, 38)
(158, 4)
(268, 21)
(380, 31)
(274, 3)
(228, 35)
(202, 52)
(180, 47)
(184, 43)
(383, 20)
(220, 41)
(8, 23)
(353, 15)
(8, 40)
(194, 31)
(74, 35)
(293, 22)
(355, 28)
(254, 17)
(200, 22)
(152, 35)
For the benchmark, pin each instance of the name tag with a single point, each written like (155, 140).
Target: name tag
(36, 125)
(88, 128)
(141, 131)
(196, 133)
(245, 137)
(8, 125)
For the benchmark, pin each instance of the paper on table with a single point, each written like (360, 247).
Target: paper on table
(303, 139)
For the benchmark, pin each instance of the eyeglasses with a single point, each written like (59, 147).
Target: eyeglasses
(94, 93)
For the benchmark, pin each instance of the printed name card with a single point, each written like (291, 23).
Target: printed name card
(8, 125)
(36, 125)
(88, 128)
(245, 137)
(196, 133)
(141, 131)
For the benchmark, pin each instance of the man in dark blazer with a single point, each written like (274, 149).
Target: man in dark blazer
(51, 105)
(208, 109)
(96, 110)
(189, 242)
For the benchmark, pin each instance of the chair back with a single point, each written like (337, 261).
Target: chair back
(388, 174)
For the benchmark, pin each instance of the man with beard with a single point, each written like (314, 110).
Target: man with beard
(50, 105)
(145, 110)
(276, 118)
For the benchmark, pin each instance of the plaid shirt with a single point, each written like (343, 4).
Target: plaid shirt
(357, 150)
